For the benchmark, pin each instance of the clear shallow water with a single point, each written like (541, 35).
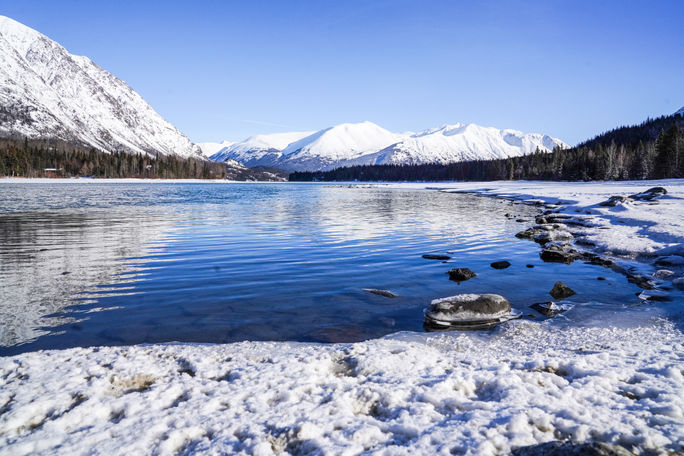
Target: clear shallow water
(111, 263)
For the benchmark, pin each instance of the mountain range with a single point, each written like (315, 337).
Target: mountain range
(366, 143)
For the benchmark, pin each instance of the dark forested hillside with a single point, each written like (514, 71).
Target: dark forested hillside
(45, 158)
(651, 150)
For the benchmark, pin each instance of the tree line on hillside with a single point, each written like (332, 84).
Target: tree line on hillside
(51, 158)
(651, 150)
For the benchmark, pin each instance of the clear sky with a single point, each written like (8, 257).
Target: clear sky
(226, 70)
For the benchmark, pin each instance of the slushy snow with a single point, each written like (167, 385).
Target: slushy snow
(453, 393)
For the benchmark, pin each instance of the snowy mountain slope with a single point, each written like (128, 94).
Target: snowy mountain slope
(326, 148)
(46, 92)
(456, 143)
(259, 150)
(680, 112)
(210, 148)
(366, 143)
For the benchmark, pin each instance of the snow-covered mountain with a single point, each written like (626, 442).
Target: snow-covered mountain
(46, 92)
(210, 148)
(259, 150)
(459, 142)
(680, 112)
(366, 143)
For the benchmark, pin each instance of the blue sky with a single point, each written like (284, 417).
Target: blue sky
(226, 70)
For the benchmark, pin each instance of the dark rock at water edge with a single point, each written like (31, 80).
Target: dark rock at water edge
(651, 193)
(503, 264)
(561, 291)
(558, 254)
(385, 293)
(640, 280)
(615, 200)
(549, 308)
(461, 274)
(430, 256)
(558, 448)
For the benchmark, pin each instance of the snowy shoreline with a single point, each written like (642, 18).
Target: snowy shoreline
(410, 393)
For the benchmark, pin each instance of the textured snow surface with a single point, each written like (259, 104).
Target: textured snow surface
(46, 92)
(633, 229)
(452, 393)
(366, 143)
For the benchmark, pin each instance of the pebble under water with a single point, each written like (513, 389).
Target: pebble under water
(126, 263)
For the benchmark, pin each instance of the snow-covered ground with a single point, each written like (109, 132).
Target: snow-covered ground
(446, 393)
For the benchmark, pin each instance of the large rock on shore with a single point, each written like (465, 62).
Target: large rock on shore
(465, 307)
(648, 195)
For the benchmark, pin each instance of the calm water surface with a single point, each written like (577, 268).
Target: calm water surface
(114, 263)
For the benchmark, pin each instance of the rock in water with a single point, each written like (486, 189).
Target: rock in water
(503, 264)
(572, 449)
(558, 254)
(561, 291)
(430, 256)
(461, 274)
(468, 307)
(385, 293)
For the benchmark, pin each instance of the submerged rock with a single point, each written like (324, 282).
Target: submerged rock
(503, 264)
(679, 283)
(670, 260)
(558, 448)
(468, 311)
(430, 256)
(385, 293)
(461, 274)
(640, 280)
(561, 291)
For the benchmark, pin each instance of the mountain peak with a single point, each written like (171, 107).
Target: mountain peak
(49, 93)
(680, 112)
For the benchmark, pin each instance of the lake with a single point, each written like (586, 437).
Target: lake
(102, 263)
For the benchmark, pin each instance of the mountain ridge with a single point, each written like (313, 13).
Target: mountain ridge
(47, 92)
(366, 143)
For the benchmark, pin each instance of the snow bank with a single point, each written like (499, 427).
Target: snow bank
(450, 393)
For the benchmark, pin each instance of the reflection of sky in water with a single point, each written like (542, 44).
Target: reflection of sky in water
(220, 263)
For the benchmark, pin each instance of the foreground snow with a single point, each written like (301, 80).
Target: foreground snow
(442, 394)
